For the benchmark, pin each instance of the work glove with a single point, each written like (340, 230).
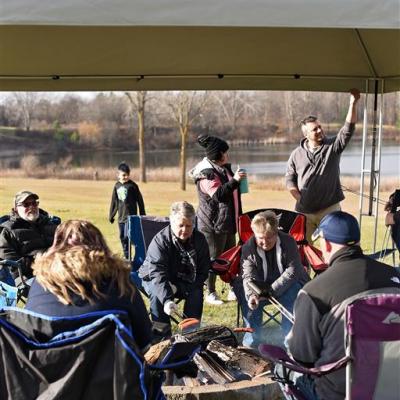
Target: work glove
(253, 302)
(174, 288)
(170, 307)
(111, 220)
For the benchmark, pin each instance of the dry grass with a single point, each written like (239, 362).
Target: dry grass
(170, 174)
(88, 199)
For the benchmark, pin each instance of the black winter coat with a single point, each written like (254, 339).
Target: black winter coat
(20, 238)
(163, 262)
(216, 213)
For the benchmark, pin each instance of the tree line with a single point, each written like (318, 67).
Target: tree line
(149, 120)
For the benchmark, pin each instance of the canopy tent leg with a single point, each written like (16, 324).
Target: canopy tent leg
(375, 163)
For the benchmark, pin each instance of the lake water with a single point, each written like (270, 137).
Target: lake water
(260, 161)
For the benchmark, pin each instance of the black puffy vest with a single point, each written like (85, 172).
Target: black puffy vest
(217, 213)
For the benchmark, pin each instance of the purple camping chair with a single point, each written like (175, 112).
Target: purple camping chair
(372, 350)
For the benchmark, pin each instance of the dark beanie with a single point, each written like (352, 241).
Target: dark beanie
(214, 146)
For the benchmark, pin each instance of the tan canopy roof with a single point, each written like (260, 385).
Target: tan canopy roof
(181, 44)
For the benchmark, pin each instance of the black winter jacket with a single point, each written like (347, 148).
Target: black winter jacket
(216, 213)
(163, 262)
(20, 238)
(126, 199)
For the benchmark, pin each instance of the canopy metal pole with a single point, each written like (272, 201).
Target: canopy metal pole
(364, 141)
(378, 169)
(372, 182)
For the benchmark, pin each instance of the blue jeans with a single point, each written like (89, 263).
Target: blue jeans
(6, 277)
(124, 239)
(254, 317)
(303, 383)
(193, 307)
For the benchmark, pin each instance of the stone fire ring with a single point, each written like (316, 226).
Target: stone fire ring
(256, 389)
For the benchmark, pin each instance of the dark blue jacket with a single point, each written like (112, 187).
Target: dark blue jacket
(46, 303)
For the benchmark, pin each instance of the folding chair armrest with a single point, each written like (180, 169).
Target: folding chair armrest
(280, 356)
(177, 356)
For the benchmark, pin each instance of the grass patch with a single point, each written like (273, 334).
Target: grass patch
(88, 199)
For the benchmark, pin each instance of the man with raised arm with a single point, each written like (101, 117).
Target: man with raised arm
(313, 173)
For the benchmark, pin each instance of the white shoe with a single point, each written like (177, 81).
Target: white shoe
(231, 296)
(212, 298)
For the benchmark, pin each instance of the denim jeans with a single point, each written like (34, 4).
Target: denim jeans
(124, 239)
(6, 277)
(304, 383)
(254, 317)
(193, 306)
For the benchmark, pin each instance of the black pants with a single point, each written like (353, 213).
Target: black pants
(124, 239)
(217, 243)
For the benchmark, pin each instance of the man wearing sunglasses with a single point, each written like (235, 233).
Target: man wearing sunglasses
(28, 231)
(313, 173)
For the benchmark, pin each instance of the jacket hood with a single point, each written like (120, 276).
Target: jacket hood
(197, 171)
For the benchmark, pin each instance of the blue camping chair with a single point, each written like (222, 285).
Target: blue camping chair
(91, 356)
(140, 231)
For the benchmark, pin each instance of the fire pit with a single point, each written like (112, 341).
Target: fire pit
(256, 389)
(222, 370)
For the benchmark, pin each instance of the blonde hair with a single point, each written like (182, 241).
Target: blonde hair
(79, 261)
(265, 221)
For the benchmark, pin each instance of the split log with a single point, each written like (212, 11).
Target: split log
(204, 335)
(246, 362)
(156, 351)
(212, 369)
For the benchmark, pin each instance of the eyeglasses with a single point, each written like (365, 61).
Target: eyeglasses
(27, 204)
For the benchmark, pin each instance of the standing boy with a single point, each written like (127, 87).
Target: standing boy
(126, 198)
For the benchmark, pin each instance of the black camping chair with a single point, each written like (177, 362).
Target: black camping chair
(92, 356)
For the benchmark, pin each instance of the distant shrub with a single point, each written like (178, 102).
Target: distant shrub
(89, 132)
(30, 164)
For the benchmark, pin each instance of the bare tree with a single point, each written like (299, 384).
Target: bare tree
(233, 104)
(186, 107)
(137, 102)
(26, 103)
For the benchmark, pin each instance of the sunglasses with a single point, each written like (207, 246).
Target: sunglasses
(27, 204)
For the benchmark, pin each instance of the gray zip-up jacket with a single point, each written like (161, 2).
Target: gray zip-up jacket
(317, 175)
(288, 259)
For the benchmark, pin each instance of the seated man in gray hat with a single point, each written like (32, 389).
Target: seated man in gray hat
(28, 231)
(317, 334)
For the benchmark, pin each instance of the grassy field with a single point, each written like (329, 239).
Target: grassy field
(90, 200)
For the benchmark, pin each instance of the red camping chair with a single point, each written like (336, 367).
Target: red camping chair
(227, 266)
(290, 222)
